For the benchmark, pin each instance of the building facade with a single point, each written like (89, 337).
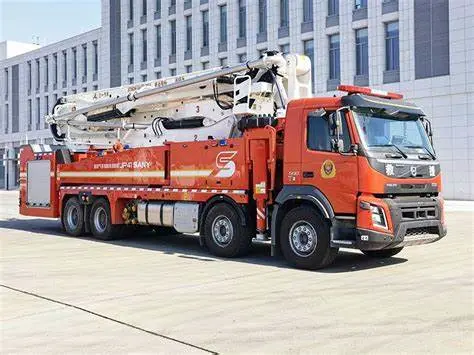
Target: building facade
(422, 48)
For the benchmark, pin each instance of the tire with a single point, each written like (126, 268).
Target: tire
(72, 217)
(101, 222)
(382, 253)
(305, 239)
(224, 234)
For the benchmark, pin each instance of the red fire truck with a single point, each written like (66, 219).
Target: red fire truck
(309, 176)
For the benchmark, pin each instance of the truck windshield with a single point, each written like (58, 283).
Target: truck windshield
(381, 132)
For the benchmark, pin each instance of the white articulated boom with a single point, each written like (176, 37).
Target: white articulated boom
(188, 107)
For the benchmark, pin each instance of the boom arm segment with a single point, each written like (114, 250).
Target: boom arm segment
(192, 106)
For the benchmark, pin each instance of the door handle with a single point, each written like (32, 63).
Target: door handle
(308, 174)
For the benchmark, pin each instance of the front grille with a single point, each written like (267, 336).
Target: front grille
(419, 212)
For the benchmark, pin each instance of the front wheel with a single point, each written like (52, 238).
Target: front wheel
(382, 253)
(305, 239)
(101, 221)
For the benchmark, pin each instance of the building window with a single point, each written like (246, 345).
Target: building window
(223, 23)
(130, 48)
(189, 33)
(158, 42)
(7, 118)
(173, 72)
(6, 82)
(95, 87)
(242, 58)
(46, 105)
(158, 75)
(262, 16)
(37, 74)
(30, 115)
(308, 48)
(242, 19)
(158, 6)
(46, 71)
(334, 57)
(65, 66)
(84, 89)
(96, 58)
(392, 51)
(362, 52)
(189, 68)
(284, 13)
(38, 113)
(130, 10)
(84, 58)
(205, 65)
(333, 7)
(223, 62)
(144, 46)
(173, 36)
(205, 28)
(431, 38)
(144, 77)
(307, 10)
(360, 4)
(74, 63)
(144, 7)
(30, 79)
(74, 91)
(55, 69)
(285, 48)
(130, 80)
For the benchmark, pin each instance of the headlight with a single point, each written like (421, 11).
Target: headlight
(378, 216)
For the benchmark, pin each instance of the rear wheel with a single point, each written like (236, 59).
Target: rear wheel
(101, 221)
(224, 234)
(383, 253)
(72, 218)
(305, 239)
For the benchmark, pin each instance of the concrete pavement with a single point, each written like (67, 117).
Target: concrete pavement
(152, 294)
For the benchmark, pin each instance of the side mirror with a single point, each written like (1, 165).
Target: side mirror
(335, 119)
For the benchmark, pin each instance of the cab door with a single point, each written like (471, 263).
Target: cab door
(333, 173)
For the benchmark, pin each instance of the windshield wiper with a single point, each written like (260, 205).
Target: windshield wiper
(391, 145)
(422, 147)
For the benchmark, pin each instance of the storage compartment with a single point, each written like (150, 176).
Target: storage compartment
(38, 193)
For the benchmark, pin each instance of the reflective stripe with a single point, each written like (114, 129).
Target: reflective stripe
(190, 173)
(155, 173)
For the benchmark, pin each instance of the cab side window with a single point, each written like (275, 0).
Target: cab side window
(321, 134)
(318, 133)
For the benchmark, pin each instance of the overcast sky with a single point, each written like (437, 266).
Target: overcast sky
(50, 20)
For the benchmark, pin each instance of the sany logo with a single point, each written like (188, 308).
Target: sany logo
(225, 164)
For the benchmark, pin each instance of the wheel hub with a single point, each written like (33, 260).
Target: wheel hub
(100, 220)
(303, 238)
(73, 217)
(222, 231)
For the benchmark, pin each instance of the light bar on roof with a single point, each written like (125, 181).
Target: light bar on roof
(352, 89)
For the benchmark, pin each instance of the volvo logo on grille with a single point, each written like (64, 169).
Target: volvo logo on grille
(413, 170)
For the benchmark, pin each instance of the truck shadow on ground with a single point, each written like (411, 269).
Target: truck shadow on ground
(187, 246)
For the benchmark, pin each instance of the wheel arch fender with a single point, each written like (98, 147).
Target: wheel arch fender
(291, 196)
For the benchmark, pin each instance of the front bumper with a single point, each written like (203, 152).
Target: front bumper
(415, 222)
(409, 233)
